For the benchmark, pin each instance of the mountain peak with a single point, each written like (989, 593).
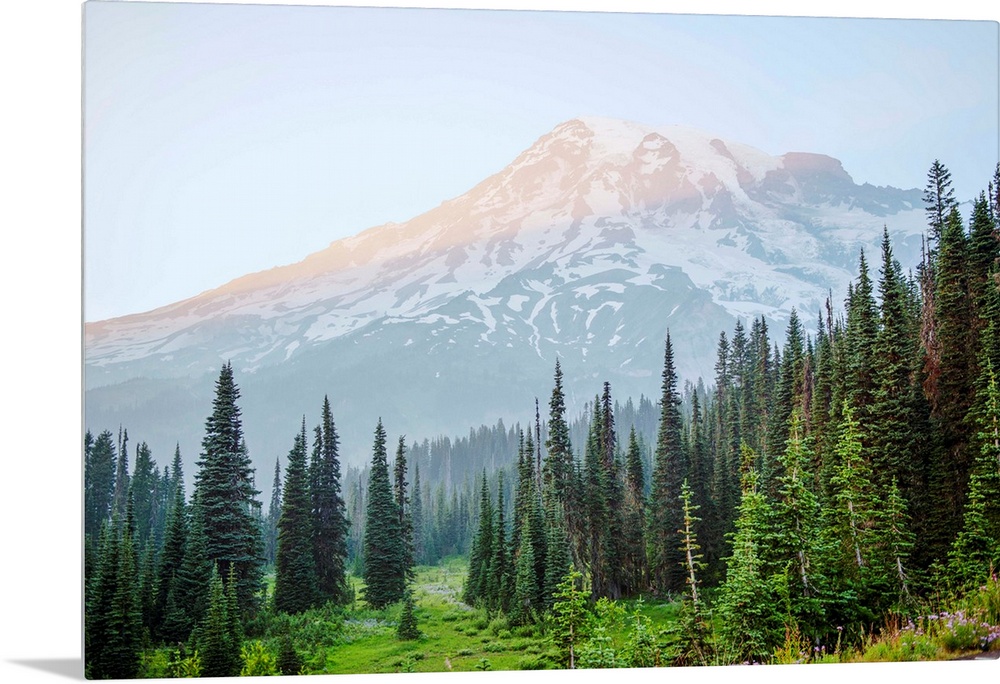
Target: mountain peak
(598, 237)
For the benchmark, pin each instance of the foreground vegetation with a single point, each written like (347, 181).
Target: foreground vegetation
(635, 633)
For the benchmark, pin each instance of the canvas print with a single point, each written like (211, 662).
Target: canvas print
(429, 340)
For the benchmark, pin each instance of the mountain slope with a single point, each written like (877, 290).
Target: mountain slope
(589, 246)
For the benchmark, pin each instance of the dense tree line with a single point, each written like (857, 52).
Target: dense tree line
(836, 477)
(162, 569)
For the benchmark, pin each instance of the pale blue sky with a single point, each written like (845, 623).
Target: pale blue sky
(225, 139)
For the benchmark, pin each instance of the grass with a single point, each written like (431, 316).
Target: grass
(455, 637)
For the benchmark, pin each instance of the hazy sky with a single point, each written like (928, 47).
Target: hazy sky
(225, 139)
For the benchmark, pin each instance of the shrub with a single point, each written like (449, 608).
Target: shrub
(532, 663)
(960, 632)
(257, 661)
(181, 666)
(289, 660)
(524, 631)
(497, 625)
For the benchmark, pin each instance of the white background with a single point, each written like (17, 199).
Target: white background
(40, 249)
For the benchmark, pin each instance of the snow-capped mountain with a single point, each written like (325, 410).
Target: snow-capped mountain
(588, 247)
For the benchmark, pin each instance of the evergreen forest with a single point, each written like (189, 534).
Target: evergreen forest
(832, 494)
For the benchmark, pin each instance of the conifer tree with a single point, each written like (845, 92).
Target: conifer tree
(557, 550)
(670, 468)
(147, 590)
(99, 603)
(476, 587)
(499, 577)
(984, 250)
(561, 473)
(596, 506)
(220, 656)
(407, 629)
(417, 517)
(855, 501)
(633, 539)
(144, 484)
(894, 426)
(693, 628)
(859, 345)
(273, 514)
(975, 552)
(789, 390)
(894, 545)
(526, 591)
(114, 621)
(121, 481)
(535, 521)
(570, 613)
(99, 482)
(800, 534)
(403, 507)
(613, 495)
(939, 198)
(700, 479)
(748, 604)
(172, 626)
(384, 569)
(330, 525)
(191, 584)
(226, 495)
(295, 587)
(951, 385)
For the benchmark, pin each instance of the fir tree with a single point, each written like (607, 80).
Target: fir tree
(894, 423)
(295, 588)
(145, 486)
(417, 516)
(693, 629)
(524, 604)
(273, 514)
(121, 481)
(633, 538)
(220, 656)
(384, 556)
(561, 477)
(975, 551)
(329, 513)
(226, 495)
(99, 482)
(114, 621)
(499, 584)
(800, 535)
(407, 629)
(172, 624)
(748, 604)
(403, 507)
(665, 509)
(569, 610)
(894, 545)
(191, 583)
(558, 556)
(596, 505)
(939, 198)
(482, 549)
